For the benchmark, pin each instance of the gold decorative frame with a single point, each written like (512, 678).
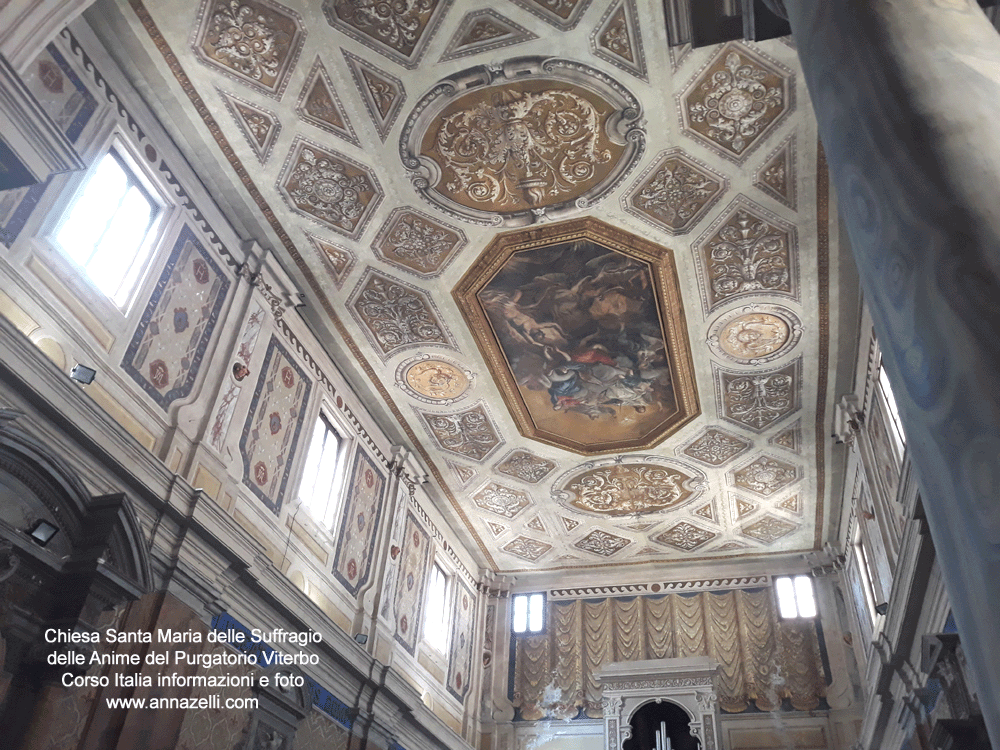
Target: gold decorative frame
(663, 274)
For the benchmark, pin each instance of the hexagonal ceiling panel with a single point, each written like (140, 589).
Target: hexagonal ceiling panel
(582, 327)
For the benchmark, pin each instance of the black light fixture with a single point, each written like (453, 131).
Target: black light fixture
(881, 609)
(41, 532)
(83, 374)
(361, 638)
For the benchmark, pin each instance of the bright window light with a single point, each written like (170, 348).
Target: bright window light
(529, 613)
(795, 597)
(318, 478)
(435, 616)
(890, 402)
(107, 228)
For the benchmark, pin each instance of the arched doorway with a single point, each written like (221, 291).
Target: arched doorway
(656, 716)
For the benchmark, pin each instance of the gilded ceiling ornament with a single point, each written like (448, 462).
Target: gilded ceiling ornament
(396, 315)
(526, 548)
(465, 474)
(765, 476)
(253, 41)
(675, 192)
(417, 242)
(433, 380)
(747, 254)
(382, 93)
(768, 529)
(398, 30)
(715, 447)
(525, 466)
(602, 543)
(521, 148)
(685, 536)
(260, 127)
(337, 260)
(511, 143)
(792, 504)
(789, 438)
(329, 187)
(484, 30)
(319, 105)
(617, 39)
(754, 334)
(758, 400)
(738, 98)
(500, 499)
(776, 176)
(468, 433)
(611, 488)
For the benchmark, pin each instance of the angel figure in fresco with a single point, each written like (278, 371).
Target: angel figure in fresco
(581, 324)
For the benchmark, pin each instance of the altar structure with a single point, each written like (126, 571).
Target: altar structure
(686, 682)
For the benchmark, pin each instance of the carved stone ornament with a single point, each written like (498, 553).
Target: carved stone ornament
(645, 484)
(533, 137)
(755, 334)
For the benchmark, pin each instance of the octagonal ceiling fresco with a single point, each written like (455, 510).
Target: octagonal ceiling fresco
(694, 182)
(582, 327)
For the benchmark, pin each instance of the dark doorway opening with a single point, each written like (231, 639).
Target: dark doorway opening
(647, 721)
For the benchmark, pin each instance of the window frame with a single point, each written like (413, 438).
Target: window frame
(334, 500)
(445, 622)
(528, 598)
(793, 582)
(147, 253)
(890, 407)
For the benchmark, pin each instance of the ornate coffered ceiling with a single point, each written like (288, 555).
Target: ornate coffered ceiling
(637, 238)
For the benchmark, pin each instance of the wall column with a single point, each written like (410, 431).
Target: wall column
(906, 93)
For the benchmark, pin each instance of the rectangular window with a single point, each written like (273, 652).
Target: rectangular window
(896, 424)
(795, 597)
(435, 614)
(108, 227)
(316, 492)
(528, 613)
